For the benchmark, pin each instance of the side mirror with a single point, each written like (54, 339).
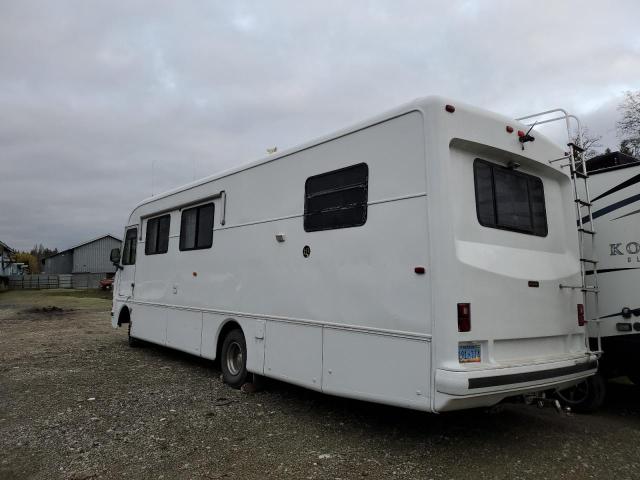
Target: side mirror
(115, 257)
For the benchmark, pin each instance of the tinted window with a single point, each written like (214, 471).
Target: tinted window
(509, 200)
(196, 227)
(129, 250)
(336, 199)
(157, 240)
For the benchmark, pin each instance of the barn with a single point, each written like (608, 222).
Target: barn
(88, 261)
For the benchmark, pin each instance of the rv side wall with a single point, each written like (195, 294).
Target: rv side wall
(351, 317)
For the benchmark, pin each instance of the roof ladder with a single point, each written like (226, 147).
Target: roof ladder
(582, 200)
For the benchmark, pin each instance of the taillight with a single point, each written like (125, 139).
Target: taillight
(464, 317)
(581, 321)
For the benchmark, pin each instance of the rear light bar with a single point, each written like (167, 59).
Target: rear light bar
(464, 317)
(581, 321)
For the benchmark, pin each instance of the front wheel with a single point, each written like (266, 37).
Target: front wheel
(585, 397)
(233, 359)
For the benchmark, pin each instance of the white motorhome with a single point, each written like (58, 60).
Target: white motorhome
(412, 260)
(614, 184)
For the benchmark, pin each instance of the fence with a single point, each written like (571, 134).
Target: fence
(77, 280)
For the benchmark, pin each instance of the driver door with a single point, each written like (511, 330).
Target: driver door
(128, 262)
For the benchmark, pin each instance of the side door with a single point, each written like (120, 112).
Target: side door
(128, 261)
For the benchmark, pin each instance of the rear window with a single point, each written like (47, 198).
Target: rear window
(509, 200)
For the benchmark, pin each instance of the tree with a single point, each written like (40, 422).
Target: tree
(629, 124)
(41, 252)
(589, 142)
(29, 259)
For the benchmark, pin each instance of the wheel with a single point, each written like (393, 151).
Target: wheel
(233, 359)
(585, 397)
(133, 342)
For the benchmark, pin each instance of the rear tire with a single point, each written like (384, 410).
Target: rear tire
(233, 359)
(133, 342)
(587, 396)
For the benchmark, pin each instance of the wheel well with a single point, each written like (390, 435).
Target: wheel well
(227, 327)
(125, 316)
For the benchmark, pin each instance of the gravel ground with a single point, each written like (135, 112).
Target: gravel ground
(77, 402)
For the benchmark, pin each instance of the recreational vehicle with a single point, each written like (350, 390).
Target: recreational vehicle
(614, 184)
(413, 260)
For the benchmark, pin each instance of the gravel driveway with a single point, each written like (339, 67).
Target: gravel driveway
(77, 402)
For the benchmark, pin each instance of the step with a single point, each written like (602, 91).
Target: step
(588, 232)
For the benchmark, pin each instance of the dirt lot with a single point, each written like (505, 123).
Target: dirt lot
(77, 402)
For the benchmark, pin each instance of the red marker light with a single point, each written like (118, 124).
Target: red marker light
(450, 108)
(581, 320)
(509, 129)
(521, 133)
(419, 270)
(464, 317)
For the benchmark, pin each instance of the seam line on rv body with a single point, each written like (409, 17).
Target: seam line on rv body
(336, 326)
(300, 215)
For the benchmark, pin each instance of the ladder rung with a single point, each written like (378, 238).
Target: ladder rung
(578, 173)
(588, 260)
(575, 147)
(583, 203)
(590, 289)
(588, 232)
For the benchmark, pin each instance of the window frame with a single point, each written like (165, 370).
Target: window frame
(134, 241)
(197, 229)
(529, 178)
(156, 221)
(364, 185)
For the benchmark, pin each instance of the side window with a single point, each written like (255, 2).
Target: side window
(129, 250)
(336, 199)
(157, 240)
(509, 200)
(196, 227)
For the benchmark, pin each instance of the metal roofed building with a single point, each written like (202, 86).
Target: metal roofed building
(91, 256)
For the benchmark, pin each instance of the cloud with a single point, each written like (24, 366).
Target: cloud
(93, 94)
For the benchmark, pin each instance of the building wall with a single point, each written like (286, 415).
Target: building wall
(94, 257)
(61, 263)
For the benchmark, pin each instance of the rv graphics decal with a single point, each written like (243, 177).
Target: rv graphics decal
(631, 249)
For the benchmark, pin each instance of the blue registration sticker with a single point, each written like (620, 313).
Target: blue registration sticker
(469, 353)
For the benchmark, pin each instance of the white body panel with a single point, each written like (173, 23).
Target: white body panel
(616, 211)
(353, 318)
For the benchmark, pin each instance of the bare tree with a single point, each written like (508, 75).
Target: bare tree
(589, 142)
(629, 124)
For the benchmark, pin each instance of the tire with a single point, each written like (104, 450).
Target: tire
(586, 397)
(133, 342)
(233, 359)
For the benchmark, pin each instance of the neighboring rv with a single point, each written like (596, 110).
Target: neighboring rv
(614, 184)
(413, 260)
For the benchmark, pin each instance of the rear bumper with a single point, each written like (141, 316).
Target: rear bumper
(476, 388)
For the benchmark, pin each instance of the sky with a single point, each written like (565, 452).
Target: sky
(103, 104)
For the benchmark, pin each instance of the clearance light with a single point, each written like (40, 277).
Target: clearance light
(450, 108)
(509, 129)
(521, 133)
(464, 317)
(623, 327)
(581, 321)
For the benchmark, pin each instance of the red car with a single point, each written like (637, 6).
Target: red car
(106, 283)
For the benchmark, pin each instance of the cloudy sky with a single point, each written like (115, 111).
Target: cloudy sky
(94, 96)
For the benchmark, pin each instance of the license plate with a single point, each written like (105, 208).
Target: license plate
(469, 352)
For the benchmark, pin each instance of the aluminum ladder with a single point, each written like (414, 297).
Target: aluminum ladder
(582, 199)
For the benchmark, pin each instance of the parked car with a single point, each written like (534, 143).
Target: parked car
(106, 283)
